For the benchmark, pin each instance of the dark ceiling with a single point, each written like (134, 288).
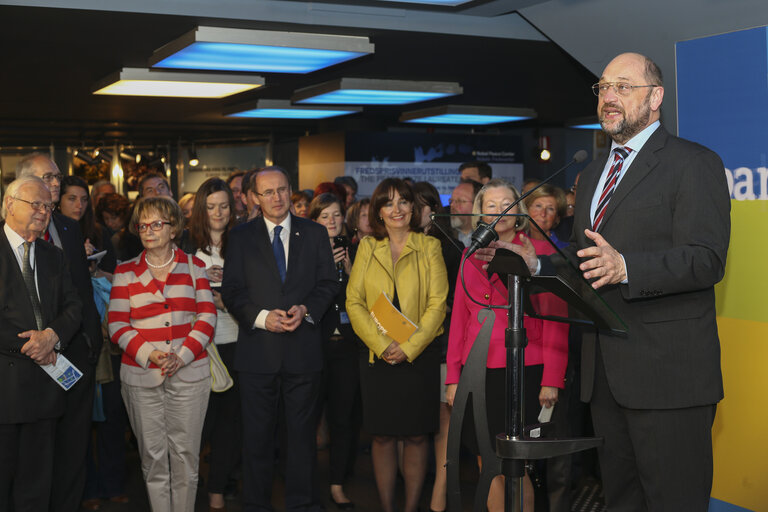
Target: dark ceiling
(52, 57)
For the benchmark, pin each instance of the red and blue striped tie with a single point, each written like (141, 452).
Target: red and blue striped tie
(610, 184)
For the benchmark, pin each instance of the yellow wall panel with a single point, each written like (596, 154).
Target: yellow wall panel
(744, 291)
(740, 432)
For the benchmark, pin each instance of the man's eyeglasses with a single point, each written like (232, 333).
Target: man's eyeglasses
(269, 194)
(38, 205)
(620, 88)
(459, 201)
(48, 178)
(155, 226)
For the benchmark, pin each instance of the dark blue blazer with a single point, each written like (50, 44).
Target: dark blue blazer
(252, 284)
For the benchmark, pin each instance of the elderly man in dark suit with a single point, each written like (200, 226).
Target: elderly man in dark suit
(74, 427)
(279, 280)
(651, 229)
(35, 326)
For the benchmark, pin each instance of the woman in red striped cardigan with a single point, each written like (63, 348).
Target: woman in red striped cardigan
(163, 322)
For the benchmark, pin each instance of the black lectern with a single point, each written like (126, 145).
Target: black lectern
(514, 446)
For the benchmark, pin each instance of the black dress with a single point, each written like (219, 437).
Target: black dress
(401, 399)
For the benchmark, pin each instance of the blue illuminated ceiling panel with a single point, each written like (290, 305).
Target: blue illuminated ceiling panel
(467, 115)
(282, 109)
(584, 123)
(364, 91)
(593, 126)
(227, 49)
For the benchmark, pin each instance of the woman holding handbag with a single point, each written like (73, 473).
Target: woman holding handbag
(162, 315)
(206, 237)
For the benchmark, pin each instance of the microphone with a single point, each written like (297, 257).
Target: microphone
(485, 233)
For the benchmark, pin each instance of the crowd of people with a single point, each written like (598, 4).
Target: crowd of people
(282, 284)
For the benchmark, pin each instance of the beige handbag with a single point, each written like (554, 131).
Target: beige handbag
(221, 380)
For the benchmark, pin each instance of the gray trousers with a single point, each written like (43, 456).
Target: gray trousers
(168, 423)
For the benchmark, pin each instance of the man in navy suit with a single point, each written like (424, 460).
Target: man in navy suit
(653, 238)
(279, 280)
(73, 429)
(33, 329)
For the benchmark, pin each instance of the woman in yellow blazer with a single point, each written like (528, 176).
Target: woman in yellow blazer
(400, 383)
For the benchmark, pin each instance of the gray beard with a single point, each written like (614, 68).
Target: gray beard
(460, 223)
(625, 130)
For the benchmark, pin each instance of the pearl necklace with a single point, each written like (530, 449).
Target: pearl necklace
(173, 255)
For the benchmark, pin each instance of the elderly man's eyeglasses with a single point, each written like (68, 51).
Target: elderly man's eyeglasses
(48, 178)
(459, 201)
(155, 226)
(269, 194)
(38, 205)
(620, 88)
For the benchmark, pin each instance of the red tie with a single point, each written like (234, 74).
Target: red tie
(610, 184)
(47, 236)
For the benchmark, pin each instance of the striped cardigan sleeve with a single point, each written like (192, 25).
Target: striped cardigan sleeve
(205, 324)
(121, 331)
(181, 318)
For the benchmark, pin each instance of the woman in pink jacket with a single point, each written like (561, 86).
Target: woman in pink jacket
(546, 355)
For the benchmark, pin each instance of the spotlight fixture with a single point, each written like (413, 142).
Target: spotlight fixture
(544, 153)
(127, 154)
(467, 115)
(84, 156)
(366, 91)
(232, 49)
(283, 109)
(146, 82)
(193, 160)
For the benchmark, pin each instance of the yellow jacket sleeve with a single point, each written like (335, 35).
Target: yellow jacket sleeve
(358, 309)
(433, 281)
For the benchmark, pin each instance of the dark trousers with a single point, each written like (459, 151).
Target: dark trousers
(106, 457)
(26, 465)
(73, 432)
(558, 469)
(223, 428)
(341, 394)
(260, 394)
(652, 460)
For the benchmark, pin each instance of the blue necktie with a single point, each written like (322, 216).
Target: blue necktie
(279, 251)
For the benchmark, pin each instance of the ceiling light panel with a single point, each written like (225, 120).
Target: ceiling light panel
(145, 82)
(584, 123)
(283, 109)
(364, 91)
(467, 115)
(592, 126)
(230, 49)
(445, 3)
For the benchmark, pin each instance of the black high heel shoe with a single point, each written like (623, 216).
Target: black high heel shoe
(346, 505)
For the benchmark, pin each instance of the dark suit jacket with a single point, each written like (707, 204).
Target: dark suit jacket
(85, 347)
(28, 393)
(252, 283)
(669, 217)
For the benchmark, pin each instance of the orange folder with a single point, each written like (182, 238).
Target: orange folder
(391, 321)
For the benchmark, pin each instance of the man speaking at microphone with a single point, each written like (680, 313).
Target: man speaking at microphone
(651, 232)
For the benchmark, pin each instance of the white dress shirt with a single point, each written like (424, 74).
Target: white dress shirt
(285, 237)
(636, 143)
(17, 244)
